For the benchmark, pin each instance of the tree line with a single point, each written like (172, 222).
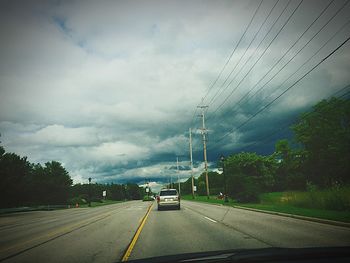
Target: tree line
(27, 184)
(82, 193)
(317, 156)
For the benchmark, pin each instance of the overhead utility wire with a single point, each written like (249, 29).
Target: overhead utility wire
(247, 48)
(266, 138)
(256, 48)
(229, 58)
(234, 50)
(285, 54)
(312, 56)
(315, 53)
(285, 23)
(286, 90)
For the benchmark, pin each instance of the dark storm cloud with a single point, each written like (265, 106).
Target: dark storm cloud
(110, 89)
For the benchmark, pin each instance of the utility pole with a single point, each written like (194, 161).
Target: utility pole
(191, 164)
(89, 191)
(204, 131)
(178, 176)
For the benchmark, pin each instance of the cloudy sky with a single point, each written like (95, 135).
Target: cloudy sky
(110, 88)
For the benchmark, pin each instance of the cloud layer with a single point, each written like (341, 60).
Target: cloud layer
(110, 89)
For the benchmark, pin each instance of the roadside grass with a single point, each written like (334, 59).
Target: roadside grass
(102, 203)
(213, 199)
(285, 202)
(336, 198)
(342, 216)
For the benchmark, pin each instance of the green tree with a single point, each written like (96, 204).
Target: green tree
(134, 191)
(14, 173)
(289, 174)
(249, 174)
(57, 183)
(325, 134)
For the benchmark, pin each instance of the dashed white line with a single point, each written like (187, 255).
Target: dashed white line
(212, 220)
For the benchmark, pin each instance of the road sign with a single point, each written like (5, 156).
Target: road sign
(104, 193)
(147, 190)
(194, 188)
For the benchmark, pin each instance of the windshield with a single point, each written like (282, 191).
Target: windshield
(168, 192)
(215, 125)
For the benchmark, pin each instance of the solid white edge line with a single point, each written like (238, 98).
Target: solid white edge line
(212, 220)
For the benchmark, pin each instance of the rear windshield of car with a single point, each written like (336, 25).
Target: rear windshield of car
(168, 192)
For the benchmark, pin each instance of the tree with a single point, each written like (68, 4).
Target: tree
(57, 183)
(134, 191)
(325, 134)
(249, 174)
(289, 174)
(216, 183)
(14, 172)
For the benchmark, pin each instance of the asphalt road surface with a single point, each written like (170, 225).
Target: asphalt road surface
(103, 234)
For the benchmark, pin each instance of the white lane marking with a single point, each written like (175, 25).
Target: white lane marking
(212, 220)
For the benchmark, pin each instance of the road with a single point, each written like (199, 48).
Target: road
(103, 234)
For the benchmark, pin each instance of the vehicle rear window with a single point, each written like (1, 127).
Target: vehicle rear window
(168, 192)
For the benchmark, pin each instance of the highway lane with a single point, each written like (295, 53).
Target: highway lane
(200, 227)
(103, 234)
(98, 234)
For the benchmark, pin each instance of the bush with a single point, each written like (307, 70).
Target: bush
(96, 200)
(245, 189)
(147, 198)
(77, 200)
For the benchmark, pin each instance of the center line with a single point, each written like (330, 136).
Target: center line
(212, 220)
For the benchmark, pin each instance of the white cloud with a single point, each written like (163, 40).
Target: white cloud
(108, 89)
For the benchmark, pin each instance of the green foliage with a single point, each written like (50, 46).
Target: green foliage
(324, 132)
(216, 183)
(77, 200)
(342, 216)
(23, 183)
(26, 184)
(249, 174)
(115, 192)
(14, 175)
(289, 172)
(147, 198)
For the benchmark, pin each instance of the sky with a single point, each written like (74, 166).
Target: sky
(111, 88)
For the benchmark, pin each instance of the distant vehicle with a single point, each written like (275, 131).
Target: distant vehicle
(168, 198)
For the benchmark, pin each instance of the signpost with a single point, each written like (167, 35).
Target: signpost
(104, 194)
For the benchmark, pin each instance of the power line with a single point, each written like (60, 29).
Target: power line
(339, 30)
(229, 58)
(234, 50)
(285, 91)
(320, 48)
(279, 31)
(266, 138)
(257, 32)
(285, 54)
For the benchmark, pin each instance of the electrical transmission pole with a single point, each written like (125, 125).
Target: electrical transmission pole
(204, 131)
(191, 164)
(178, 176)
